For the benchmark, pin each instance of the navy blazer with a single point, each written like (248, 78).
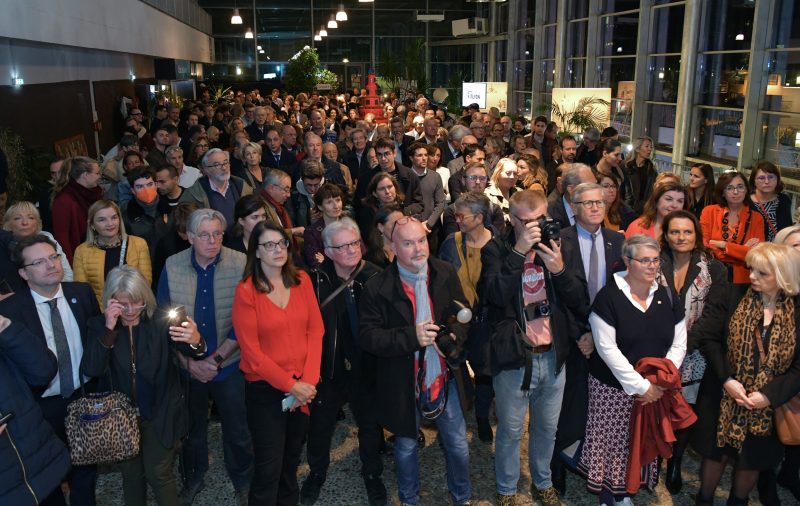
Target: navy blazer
(285, 164)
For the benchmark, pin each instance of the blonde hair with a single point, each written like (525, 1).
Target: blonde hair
(127, 280)
(782, 260)
(780, 238)
(91, 234)
(22, 207)
(498, 168)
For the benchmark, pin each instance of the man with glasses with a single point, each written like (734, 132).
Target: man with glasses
(217, 189)
(55, 312)
(530, 294)
(471, 152)
(387, 162)
(474, 180)
(399, 326)
(276, 191)
(347, 374)
(561, 209)
(590, 252)
(203, 280)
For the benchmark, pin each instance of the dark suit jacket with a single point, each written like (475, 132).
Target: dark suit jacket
(356, 169)
(407, 141)
(256, 134)
(286, 162)
(447, 155)
(557, 211)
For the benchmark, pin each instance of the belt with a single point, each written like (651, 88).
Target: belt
(539, 349)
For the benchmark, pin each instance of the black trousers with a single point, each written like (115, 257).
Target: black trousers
(331, 395)
(277, 445)
(81, 479)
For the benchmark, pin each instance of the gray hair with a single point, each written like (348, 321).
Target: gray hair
(250, 144)
(457, 132)
(214, 151)
(337, 226)
(573, 176)
(583, 188)
(201, 215)
(172, 149)
(275, 177)
(127, 280)
(592, 134)
(632, 244)
(477, 203)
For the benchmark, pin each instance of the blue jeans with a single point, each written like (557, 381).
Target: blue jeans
(512, 403)
(228, 394)
(453, 431)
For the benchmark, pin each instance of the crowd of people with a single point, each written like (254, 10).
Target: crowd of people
(417, 270)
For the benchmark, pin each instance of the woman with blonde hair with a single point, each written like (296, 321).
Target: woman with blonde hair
(22, 219)
(504, 184)
(108, 246)
(640, 173)
(789, 236)
(251, 170)
(530, 174)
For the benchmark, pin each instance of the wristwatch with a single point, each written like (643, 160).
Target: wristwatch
(218, 359)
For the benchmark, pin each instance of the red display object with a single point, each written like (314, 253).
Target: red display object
(371, 102)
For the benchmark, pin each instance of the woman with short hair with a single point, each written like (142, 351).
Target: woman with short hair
(504, 184)
(22, 219)
(251, 170)
(768, 198)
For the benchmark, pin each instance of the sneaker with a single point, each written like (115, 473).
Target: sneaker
(376, 491)
(506, 500)
(242, 497)
(484, 430)
(311, 489)
(627, 501)
(189, 492)
(546, 497)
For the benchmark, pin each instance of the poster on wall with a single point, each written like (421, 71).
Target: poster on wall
(497, 96)
(567, 100)
(473, 93)
(486, 95)
(622, 107)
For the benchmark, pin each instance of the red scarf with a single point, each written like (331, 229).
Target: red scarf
(283, 216)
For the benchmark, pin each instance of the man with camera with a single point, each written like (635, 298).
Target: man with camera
(529, 292)
(402, 324)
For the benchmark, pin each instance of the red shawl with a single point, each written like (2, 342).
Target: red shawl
(653, 425)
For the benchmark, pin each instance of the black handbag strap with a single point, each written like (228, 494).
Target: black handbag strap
(341, 287)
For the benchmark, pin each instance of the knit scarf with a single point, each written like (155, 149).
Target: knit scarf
(280, 210)
(419, 280)
(735, 421)
(85, 196)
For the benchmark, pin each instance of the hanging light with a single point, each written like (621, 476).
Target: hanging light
(366, 1)
(323, 32)
(332, 23)
(236, 19)
(317, 38)
(248, 34)
(341, 15)
(261, 51)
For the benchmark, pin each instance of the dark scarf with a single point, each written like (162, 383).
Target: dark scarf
(85, 196)
(735, 421)
(280, 210)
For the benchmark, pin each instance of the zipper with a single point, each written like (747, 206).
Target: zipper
(22, 465)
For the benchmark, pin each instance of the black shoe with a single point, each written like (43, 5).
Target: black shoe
(558, 474)
(421, 439)
(383, 448)
(376, 491)
(189, 492)
(674, 481)
(340, 415)
(699, 500)
(768, 488)
(484, 430)
(735, 501)
(311, 489)
(790, 483)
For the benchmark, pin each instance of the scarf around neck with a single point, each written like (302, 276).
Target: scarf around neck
(419, 281)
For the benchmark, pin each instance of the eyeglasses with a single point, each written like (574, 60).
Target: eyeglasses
(401, 221)
(348, 246)
(647, 262)
(766, 177)
(384, 154)
(461, 216)
(476, 179)
(128, 309)
(206, 237)
(525, 222)
(52, 259)
(738, 188)
(218, 165)
(284, 189)
(136, 114)
(588, 204)
(202, 146)
(275, 245)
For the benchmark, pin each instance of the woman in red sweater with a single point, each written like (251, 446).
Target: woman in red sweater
(278, 325)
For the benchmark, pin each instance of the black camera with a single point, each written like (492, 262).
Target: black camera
(447, 346)
(550, 229)
(536, 310)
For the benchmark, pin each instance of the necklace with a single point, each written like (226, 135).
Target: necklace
(725, 228)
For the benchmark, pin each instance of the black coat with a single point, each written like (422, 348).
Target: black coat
(286, 162)
(154, 361)
(29, 450)
(388, 331)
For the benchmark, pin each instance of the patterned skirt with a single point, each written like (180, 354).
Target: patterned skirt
(604, 460)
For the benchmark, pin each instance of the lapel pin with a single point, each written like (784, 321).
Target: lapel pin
(74, 300)
(659, 302)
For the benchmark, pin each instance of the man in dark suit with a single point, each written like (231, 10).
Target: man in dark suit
(591, 252)
(357, 160)
(275, 156)
(401, 141)
(452, 147)
(569, 148)
(56, 313)
(573, 175)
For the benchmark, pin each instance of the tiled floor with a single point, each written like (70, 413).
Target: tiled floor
(344, 485)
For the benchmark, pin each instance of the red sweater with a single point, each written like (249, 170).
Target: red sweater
(735, 252)
(279, 345)
(653, 425)
(70, 211)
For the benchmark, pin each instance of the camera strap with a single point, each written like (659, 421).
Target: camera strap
(341, 287)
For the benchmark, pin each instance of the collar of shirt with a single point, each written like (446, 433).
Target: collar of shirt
(424, 171)
(582, 232)
(197, 266)
(39, 299)
(622, 284)
(221, 191)
(568, 208)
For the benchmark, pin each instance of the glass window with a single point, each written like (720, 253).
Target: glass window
(786, 27)
(575, 73)
(577, 9)
(621, 114)
(524, 104)
(500, 71)
(722, 79)
(659, 124)
(549, 44)
(523, 75)
(550, 11)
(667, 29)
(717, 134)
(527, 13)
(726, 25)
(783, 82)
(610, 71)
(546, 76)
(781, 139)
(576, 38)
(618, 5)
(525, 46)
(664, 73)
(545, 99)
(618, 34)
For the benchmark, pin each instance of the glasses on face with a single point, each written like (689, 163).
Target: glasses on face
(128, 309)
(477, 179)
(39, 262)
(764, 178)
(284, 189)
(737, 188)
(384, 154)
(202, 145)
(462, 216)
(402, 221)
(647, 262)
(206, 236)
(348, 246)
(588, 204)
(526, 221)
(275, 245)
(219, 165)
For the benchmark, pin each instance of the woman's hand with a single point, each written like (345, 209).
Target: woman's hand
(4, 323)
(319, 257)
(758, 400)
(715, 243)
(298, 231)
(586, 344)
(752, 242)
(112, 313)
(737, 392)
(653, 394)
(303, 392)
(185, 333)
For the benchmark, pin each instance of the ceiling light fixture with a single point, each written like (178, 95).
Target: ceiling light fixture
(341, 15)
(236, 19)
(332, 23)
(323, 32)
(317, 38)
(248, 34)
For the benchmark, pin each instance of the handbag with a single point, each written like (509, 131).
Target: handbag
(787, 421)
(104, 427)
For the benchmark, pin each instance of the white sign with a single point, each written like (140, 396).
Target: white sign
(473, 93)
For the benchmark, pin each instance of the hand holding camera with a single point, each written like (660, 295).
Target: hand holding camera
(426, 333)
(551, 256)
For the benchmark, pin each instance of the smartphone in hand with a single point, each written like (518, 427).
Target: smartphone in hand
(288, 402)
(4, 419)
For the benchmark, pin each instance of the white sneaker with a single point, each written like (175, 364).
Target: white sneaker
(625, 502)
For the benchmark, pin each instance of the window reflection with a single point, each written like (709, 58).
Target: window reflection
(717, 134)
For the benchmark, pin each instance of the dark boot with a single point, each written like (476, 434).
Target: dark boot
(699, 500)
(790, 483)
(735, 501)
(768, 488)
(309, 493)
(558, 475)
(484, 430)
(673, 480)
